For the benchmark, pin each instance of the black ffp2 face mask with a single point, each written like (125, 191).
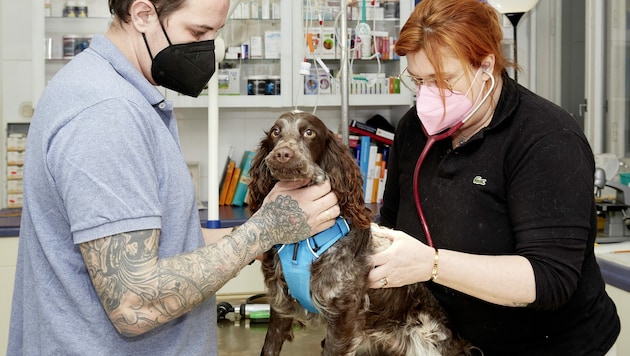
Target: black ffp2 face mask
(185, 68)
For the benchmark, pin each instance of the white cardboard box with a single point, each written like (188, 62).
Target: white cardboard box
(255, 47)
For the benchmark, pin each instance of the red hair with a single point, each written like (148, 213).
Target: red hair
(469, 28)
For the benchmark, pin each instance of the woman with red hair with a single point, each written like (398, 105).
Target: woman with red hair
(502, 223)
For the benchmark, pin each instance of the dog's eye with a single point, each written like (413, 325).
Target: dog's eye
(275, 132)
(308, 133)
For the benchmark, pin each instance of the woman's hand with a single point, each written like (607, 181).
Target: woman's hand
(405, 261)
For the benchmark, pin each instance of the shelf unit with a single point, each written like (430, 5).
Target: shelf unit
(321, 20)
(15, 150)
(48, 39)
(49, 32)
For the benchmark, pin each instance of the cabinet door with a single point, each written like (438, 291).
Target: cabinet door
(16, 54)
(8, 261)
(15, 27)
(257, 69)
(256, 66)
(373, 66)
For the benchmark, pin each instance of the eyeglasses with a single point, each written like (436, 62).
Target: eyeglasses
(415, 83)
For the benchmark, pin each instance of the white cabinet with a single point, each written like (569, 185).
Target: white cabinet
(8, 261)
(257, 41)
(15, 31)
(265, 43)
(16, 60)
(57, 38)
(373, 66)
(14, 163)
(622, 302)
(16, 93)
(258, 36)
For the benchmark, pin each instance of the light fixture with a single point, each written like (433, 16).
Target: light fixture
(514, 10)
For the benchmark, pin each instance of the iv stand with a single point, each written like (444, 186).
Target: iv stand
(343, 85)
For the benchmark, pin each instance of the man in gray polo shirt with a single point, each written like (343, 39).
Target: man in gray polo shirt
(112, 258)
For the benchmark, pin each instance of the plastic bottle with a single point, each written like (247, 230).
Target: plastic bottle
(265, 10)
(47, 9)
(69, 9)
(275, 10)
(255, 10)
(81, 10)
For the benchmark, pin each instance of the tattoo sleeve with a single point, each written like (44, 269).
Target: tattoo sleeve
(140, 292)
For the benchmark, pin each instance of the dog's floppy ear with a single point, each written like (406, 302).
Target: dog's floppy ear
(261, 180)
(346, 181)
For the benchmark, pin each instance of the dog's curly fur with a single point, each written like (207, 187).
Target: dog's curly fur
(391, 321)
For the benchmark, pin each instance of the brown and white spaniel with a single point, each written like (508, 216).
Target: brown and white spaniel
(359, 320)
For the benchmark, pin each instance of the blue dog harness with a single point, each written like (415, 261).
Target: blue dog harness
(296, 260)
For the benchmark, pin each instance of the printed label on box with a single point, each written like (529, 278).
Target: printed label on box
(311, 83)
(229, 81)
(321, 44)
(273, 44)
(318, 82)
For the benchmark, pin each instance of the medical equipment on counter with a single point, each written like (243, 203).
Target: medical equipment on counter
(615, 213)
(254, 309)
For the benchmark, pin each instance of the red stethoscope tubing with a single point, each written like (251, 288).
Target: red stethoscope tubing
(416, 174)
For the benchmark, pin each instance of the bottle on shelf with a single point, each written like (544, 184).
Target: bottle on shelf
(47, 8)
(265, 10)
(81, 10)
(254, 12)
(245, 10)
(275, 9)
(69, 9)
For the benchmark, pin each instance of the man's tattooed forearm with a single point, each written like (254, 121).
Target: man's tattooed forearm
(140, 292)
(122, 268)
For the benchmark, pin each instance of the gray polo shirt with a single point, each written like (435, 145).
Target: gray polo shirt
(103, 157)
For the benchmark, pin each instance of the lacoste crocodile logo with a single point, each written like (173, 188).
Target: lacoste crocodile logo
(479, 181)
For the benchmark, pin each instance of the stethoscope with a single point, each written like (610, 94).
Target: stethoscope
(431, 139)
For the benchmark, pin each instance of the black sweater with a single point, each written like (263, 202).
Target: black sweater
(523, 185)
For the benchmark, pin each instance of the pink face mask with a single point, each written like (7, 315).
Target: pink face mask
(437, 116)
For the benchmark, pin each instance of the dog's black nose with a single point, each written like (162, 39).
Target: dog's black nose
(284, 154)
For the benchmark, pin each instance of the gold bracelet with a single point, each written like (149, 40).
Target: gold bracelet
(434, 273)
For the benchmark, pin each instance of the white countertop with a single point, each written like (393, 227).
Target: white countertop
(618, 252)
(614, 262)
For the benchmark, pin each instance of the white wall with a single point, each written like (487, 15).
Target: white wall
(546, 22)
(1, 81)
